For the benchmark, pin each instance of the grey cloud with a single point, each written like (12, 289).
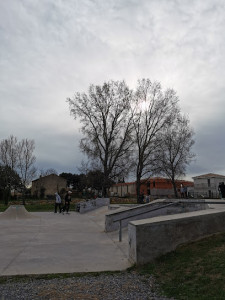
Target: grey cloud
(51, 49)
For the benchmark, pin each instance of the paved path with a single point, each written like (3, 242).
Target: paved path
(56, 243)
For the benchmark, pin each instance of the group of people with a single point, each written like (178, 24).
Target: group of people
(58, 203)
(143, 198)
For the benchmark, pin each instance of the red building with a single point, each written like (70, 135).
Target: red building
(155, 186)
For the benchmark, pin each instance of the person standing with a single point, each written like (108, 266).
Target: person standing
(221, 189)
(58, 203)
(182, 191)
(141, 198)
(67, 201)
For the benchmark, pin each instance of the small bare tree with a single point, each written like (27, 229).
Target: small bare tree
(174, 153)
(18, 157)
(9, 159)
(9, 152)
(26, 160)
(106, 124)
(153, 111)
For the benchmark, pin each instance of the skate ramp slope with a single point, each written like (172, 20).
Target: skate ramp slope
(16, 212)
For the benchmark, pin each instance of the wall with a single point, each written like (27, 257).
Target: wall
(89, 205)
(123, 189)
(150, 238)
(157, 186)
(201, 186)
(112, 223)
(51, 183)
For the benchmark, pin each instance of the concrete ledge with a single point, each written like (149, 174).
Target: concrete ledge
(92, 204)
(143, 211)
(153, 237)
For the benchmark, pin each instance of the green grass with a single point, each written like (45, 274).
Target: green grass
(48, 205)
(195, 271)
(40, 207)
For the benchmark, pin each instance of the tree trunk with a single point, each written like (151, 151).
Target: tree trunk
(174, 187)
(6, 196)
(104, 185)
(23, 199)
(138, 185)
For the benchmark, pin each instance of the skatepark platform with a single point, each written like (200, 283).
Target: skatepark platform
(45, 242)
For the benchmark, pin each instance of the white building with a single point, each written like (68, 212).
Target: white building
(206, 185)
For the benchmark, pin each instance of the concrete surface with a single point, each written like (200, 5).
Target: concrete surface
(57, 243)
(155, 208)
(150, 238)
(92, 204)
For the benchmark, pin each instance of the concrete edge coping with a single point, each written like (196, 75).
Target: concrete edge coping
(136, 206)
(160, 219)
(155, 202)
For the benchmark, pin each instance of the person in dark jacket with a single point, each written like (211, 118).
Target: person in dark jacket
(221, 189)
(67, 202)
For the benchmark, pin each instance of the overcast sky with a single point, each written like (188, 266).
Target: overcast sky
(50, 49)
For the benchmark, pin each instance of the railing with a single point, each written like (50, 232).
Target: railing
(125, 218)
(170, 204)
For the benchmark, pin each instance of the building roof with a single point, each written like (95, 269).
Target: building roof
(209, 175)
(124, 183)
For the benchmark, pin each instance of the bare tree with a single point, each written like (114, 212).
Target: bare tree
(106, 124)
(9, 153)
(18, 157)
(153, 111)
(174, 153)
(26, 160)
(9, 159)
(48, 172)
(9, 179)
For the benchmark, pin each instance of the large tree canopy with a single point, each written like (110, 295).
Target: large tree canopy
(106, 124)
(153, 110)
(127, 130)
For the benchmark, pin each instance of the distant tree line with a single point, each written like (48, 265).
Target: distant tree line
(80, 182)
(139, 131)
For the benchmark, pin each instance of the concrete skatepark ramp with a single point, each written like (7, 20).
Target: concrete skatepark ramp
(16, 212)
(57, 243)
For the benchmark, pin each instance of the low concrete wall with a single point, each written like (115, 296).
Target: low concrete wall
(153, 237)
(112, 218)
(92, 204)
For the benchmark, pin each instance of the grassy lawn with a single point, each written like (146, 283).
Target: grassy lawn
(48, 205)
(194, 271)
(37, 205)
(32, 207)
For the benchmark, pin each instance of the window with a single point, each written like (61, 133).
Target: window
(208, 182)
